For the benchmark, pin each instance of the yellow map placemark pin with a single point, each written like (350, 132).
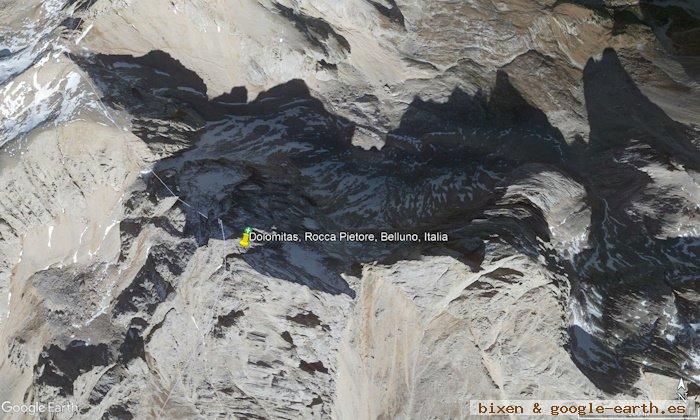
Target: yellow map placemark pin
(245, 241)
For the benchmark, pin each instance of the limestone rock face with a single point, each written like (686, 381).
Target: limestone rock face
(554, 143)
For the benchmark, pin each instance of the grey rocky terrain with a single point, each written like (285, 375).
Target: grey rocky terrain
(555, 142)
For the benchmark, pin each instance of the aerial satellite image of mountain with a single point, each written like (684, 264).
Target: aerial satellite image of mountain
(349, 209)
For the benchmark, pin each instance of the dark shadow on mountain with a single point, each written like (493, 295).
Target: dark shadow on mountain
(619, 113)
(170, 105)
(678, 24)
(628, 132)
(80, 5)
(393, 12)
(623, 120)
(605, 369)
(286, 160)
(59, 368)
(158, 86)
(317, 31)
(469, 122)
(500, 108)
(681, 32)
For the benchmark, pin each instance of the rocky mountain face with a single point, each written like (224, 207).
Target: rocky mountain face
(555, 142)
